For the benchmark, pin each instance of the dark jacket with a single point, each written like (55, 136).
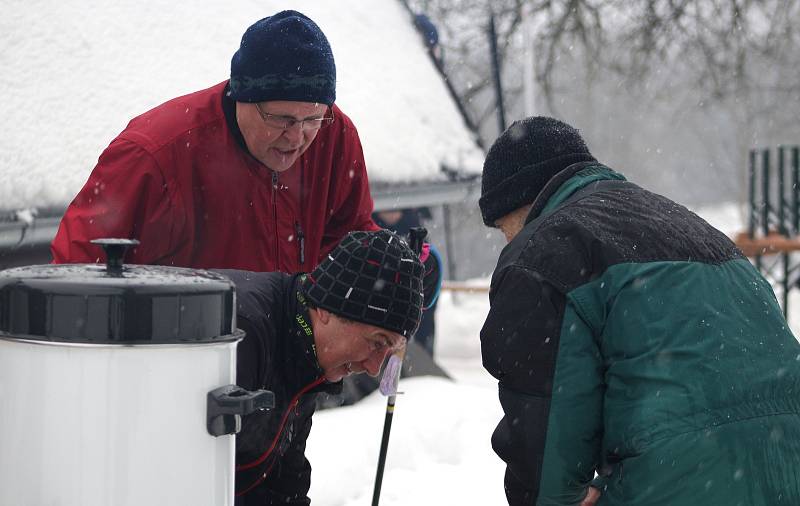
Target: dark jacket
(180, 179)
(630, 336)
(276, 354)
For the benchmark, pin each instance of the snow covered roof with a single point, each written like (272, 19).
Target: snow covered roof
(75, 72)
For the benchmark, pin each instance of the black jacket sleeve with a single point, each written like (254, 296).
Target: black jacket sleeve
(289, 475)
(290, 480)
(547, 436)
(519, 341)
(270, 448)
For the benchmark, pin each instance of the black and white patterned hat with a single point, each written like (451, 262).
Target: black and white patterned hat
(370, 277)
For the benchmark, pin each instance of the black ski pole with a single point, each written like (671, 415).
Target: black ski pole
(416, 235)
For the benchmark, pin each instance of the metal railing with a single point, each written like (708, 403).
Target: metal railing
(773, 224)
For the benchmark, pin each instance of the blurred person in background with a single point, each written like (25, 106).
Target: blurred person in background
(430, 36)
(401, 221)
(629, 338)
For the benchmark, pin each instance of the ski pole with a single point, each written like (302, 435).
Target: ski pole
(416, 236)
(387, 428)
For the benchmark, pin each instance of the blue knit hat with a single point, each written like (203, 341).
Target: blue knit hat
(283, 57)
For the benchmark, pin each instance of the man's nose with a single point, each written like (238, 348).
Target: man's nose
(375, 361)
(294, 133)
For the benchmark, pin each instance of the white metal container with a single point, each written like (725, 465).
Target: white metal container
(85, 424)
(105, 381)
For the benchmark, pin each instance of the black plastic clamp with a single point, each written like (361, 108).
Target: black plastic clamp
(227, 405)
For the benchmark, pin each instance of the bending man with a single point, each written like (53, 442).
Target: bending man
(305, 333)
(631, 338)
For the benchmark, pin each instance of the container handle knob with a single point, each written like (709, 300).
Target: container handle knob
(227, 405)
(115, 250)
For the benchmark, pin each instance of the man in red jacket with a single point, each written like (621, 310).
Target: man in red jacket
(261, 172)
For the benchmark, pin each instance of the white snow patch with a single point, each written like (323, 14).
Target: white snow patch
(729, 217)
(440, 449)
(75, 72)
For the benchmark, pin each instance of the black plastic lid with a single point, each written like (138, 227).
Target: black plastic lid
(130, 304)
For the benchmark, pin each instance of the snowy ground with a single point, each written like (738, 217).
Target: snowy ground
(440, 451)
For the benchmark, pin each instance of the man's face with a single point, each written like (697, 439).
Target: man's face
(267, 137)
(346, 347)
(512, 223)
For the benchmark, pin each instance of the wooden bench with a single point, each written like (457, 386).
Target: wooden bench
(771, 244)
(456, 286)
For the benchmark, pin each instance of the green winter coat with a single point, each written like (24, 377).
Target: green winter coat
(630, 337)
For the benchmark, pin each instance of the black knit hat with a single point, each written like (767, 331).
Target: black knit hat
(523, 159)
(370, 277)
(283, 57)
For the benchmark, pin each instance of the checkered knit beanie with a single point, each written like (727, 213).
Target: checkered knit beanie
(370, 277)
(523, 159)
(284, 57)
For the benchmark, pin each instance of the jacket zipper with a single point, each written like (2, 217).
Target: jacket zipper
(301, 243)
(275, 219)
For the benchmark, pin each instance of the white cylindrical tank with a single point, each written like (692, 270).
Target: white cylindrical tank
(84, 424)
(117, 386)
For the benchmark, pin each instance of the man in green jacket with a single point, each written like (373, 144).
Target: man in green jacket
(630, 339)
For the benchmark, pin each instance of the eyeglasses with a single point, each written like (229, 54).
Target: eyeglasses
(288, 122)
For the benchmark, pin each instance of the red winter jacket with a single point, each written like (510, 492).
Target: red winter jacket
(178, 180)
